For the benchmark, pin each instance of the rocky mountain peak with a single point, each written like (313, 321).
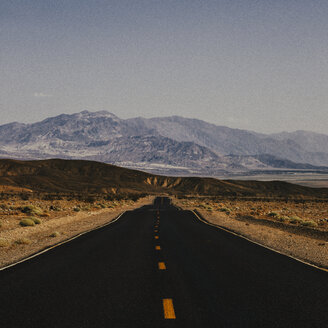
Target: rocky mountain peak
(172, 144)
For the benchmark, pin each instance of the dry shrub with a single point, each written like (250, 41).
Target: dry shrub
(32, 210)
(23, 241)
(27, 223)
(35, 220)
(309, 223)
(4, 242)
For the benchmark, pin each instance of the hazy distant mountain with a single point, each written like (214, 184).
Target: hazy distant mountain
(172, 145)
(309, 141)
(224, 140)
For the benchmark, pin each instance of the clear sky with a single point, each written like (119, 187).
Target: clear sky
(259, 65)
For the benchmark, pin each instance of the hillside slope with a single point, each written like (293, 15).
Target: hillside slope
(72, 176)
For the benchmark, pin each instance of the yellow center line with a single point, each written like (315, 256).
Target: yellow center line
(156, 237)
(158, 248)
(168, 308)
(161, 266)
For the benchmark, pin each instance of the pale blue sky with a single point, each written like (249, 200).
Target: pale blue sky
(259, 65)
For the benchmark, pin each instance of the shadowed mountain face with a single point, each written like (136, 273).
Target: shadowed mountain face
(79, 177)
(169, 145)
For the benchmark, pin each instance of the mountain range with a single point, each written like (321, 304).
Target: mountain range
(166, 145)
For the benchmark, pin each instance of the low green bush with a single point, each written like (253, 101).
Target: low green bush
(55, 234)
(309, 224)
(282, 218)
(30, 209)
(224, 209)
(27, 223)
(54, 208)
(273, 214)
(295, 219)
(35, 220)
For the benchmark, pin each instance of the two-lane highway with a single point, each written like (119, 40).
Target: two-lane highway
(161, 267)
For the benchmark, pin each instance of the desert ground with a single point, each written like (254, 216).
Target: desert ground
(313, 180)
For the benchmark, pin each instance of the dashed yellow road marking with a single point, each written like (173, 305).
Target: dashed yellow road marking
(158, 248)
(156, 237)
(168, 308)
(161, 266)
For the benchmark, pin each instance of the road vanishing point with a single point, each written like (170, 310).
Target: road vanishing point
(159, 266)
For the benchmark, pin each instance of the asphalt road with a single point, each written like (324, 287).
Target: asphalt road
(161, 267)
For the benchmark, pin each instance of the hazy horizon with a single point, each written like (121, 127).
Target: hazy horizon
(159, 116)
(246, 64)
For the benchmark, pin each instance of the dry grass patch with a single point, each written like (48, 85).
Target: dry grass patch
(4, 242)
(306, 213)
(23, 241)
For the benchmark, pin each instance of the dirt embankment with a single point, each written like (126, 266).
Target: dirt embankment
(20, 242)
(306, 244)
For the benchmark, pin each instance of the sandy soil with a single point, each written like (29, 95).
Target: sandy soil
(18, 242)
(304, 244)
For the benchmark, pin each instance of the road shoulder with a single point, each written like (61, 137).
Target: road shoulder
(305, 248)
(40, 237)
